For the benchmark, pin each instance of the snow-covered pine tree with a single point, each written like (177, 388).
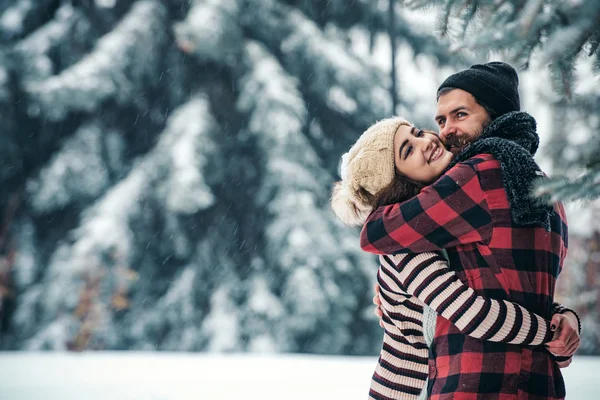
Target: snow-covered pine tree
(166, 167)
(558, 34)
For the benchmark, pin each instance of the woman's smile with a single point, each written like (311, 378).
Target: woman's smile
(435, 154)
(419, 154)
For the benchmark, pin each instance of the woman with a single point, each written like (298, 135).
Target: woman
(390, 163)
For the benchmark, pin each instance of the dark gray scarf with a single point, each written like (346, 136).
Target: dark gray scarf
(512, 139)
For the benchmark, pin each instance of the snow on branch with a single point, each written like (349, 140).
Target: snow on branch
(559, 29)
(75, 174)
(34, 49)
(184, 148)
(124, 63)
(375, 19)
(175, 312)
(326, 69)
(301, 235)
(295, 180)
(23, 16)
(107, 240)
(211, 32)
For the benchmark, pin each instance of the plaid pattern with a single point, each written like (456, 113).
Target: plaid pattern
(466, 212)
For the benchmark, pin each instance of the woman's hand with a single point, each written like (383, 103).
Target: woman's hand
(377, 302)
(566, 337)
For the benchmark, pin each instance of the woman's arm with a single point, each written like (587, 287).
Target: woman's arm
(427, 276)
(566, 339)
(402, 368)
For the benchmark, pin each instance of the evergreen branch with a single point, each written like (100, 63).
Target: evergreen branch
(24, 16)
(376, 20)
(76, 174)
(125, 62)
(469, 16)
(561, 73)
(103, 18)
(50, 35)
(111, 226)
(594, 43)
(444, 18)
(343, 13)
(210, 32)
(586, 186)
(532, 10)
(550, 26)
(294, 184)
(336, 77)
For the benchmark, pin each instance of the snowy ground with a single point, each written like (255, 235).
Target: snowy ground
(168, 376)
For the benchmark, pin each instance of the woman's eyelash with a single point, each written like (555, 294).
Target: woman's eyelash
(408, 151)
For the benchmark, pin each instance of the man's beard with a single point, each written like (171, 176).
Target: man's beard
(457, 143)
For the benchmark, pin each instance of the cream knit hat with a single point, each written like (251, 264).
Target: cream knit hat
(366, 169)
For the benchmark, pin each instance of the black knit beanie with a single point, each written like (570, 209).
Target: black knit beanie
(494, 84)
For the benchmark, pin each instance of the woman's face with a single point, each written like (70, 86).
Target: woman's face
(419, 155)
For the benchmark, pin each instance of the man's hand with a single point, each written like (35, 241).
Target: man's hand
(377, 302)
(566, 337)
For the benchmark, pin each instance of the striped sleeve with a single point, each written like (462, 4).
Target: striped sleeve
(558, 308)
(401, 370)
(427, 276)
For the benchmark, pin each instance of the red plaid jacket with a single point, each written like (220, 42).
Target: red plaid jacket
(466, 212)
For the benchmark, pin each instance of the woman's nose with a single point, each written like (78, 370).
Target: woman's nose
(425, 143)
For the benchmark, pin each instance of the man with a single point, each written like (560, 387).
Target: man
(499, 240)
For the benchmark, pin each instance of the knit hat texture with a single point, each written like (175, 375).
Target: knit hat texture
(366, 169)
(495, 84)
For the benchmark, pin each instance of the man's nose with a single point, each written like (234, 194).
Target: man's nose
(447, 131)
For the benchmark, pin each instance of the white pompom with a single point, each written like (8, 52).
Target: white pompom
(344, 167)
(344, 208)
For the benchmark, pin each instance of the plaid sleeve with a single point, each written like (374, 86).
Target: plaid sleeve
(427, 276)
(450, 212)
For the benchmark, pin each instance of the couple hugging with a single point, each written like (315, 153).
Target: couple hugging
(468, 259)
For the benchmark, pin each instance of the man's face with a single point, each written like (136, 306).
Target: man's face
(460, 119)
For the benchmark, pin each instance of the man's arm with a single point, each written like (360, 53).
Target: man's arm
(427, 277)
(450, 212)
